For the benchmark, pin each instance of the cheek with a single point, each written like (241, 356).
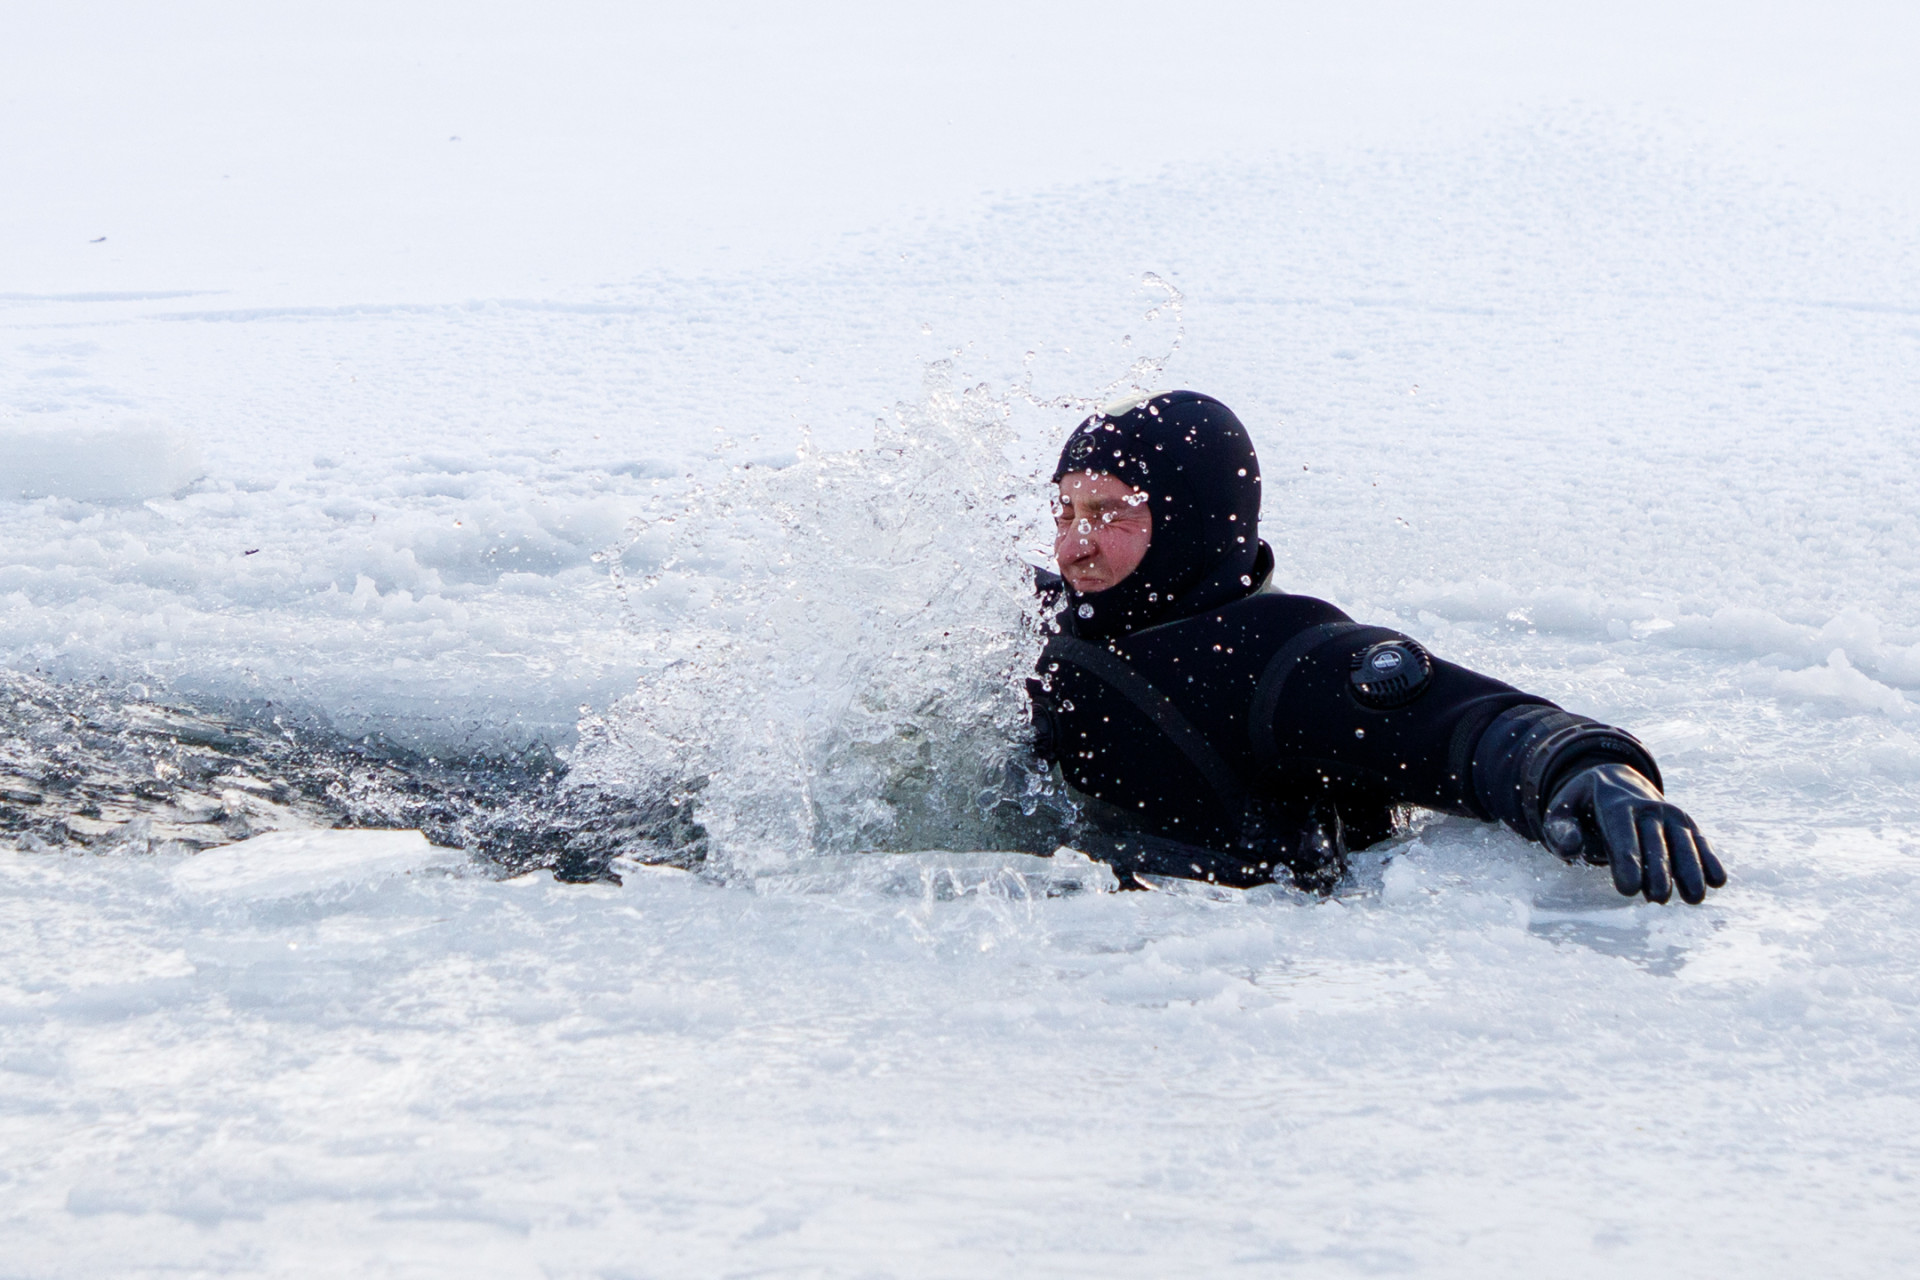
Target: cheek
(1127, 544)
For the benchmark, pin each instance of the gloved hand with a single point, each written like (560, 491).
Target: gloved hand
(1610, 814)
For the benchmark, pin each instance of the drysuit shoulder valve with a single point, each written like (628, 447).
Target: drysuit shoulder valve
(1390, 674)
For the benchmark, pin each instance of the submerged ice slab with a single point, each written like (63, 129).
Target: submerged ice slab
(285, 864)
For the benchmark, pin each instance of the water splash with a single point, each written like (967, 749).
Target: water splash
(841, 645)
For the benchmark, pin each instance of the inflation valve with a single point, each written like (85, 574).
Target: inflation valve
(1390, 674)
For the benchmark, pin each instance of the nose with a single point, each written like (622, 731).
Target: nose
(1075, 542)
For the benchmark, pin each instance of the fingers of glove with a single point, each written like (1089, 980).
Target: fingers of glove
(1657, 883)
(1684, 854)
(1716, 875)
(1623, 845)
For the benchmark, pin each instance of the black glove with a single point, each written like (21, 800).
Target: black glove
(1610, 814)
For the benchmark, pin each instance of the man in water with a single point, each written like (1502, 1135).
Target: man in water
(1212, 726)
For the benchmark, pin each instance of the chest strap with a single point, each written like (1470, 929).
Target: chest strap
(1273, 681)
(1114, 671)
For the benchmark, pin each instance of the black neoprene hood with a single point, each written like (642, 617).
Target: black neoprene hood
(1197, 465)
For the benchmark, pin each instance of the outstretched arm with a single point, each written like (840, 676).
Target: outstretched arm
(1374, 705)
(1592, 793)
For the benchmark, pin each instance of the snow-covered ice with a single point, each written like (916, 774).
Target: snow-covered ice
(662, 397)
(1490, 1066)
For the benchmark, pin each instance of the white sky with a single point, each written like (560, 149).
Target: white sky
(306, 148)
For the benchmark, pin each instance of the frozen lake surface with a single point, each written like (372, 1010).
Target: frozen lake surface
(365, 475)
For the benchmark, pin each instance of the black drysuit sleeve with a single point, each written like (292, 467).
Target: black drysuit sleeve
(1452, 740)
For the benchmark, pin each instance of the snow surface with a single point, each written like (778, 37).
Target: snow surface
(1582, 347)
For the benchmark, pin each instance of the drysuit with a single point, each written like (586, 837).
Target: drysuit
(1212, 726)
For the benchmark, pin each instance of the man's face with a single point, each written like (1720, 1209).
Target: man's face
(1101, 528)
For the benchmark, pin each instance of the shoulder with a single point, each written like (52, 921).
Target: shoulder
(1280, 611)
(1257, 624)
